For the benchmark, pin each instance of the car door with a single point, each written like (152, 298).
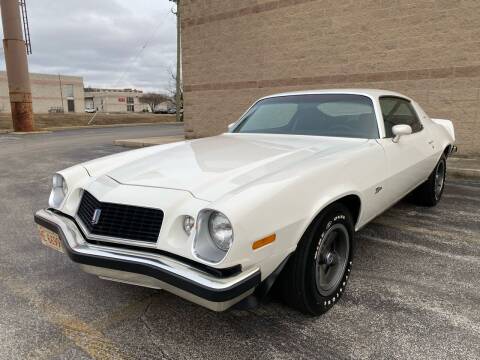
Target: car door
(409, 159)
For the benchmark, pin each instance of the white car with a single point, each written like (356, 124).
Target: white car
(276, 200)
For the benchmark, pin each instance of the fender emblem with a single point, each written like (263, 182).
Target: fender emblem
(378, 189)
(96, 216)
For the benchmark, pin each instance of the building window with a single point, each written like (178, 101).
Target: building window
(130, 102)
(68, 91)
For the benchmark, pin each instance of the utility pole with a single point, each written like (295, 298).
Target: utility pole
(178, 94)
(61, 89)
(17, 67)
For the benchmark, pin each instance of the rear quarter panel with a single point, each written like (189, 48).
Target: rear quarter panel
(441, 130)
(446, 125)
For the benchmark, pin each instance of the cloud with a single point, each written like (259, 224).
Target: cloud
(102, 41)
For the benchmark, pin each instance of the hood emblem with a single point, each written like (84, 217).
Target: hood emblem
(96, 216)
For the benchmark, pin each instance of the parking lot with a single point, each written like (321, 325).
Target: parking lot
(414, 291)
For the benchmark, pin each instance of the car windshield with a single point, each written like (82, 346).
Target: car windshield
(340, 115)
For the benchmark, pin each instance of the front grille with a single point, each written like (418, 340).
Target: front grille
(120, 221)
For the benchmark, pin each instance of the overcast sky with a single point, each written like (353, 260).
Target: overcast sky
(102, 41)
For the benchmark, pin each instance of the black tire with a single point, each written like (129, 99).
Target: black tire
(430, 192)
(301, 285)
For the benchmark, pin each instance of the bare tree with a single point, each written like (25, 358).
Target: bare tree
(172, 87)
(153, 99)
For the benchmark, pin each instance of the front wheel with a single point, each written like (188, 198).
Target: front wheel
(316, 275)
(430, 192)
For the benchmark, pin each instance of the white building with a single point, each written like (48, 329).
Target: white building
(114, 100)
(66, 94)
(50, 93)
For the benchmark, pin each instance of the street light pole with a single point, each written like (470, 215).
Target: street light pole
(17, 67)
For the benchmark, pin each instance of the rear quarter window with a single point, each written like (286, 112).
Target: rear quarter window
(398, 111)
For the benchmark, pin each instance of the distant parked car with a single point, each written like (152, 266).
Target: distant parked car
(278, 198)
(172, 111)
(160, 111)
(90, 110)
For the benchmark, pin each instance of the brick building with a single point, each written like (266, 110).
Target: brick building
(49, 93)
(235, 51)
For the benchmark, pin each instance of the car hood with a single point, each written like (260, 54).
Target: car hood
(211, 167)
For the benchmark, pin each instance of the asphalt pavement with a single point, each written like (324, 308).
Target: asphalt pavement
(414, 290)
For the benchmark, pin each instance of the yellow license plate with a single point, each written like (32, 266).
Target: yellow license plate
(50, 239)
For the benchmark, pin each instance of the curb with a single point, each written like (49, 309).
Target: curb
(460, 173)
(59, 128)
(464, 168)
(139, 143)
(30, 132)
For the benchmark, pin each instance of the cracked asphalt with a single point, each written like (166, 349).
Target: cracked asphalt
(414, 290)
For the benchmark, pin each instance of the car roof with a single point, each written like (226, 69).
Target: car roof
(372, 93)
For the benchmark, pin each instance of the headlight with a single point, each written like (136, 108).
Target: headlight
(220, 230)
(214, 236)
(59, 191)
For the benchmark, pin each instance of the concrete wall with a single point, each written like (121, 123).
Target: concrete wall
(46, 92)
(115, 100)
(236, 51)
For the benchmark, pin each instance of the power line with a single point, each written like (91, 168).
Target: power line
(137, 55)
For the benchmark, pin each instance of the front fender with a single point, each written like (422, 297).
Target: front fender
(285, 203)
(75, 176)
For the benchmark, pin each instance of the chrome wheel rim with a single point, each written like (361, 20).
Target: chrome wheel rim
(331, 259)
(439, 179)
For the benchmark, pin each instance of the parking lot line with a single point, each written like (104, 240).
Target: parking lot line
(86, 337)
(133, 310)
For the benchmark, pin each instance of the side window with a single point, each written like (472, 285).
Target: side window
(397, 111)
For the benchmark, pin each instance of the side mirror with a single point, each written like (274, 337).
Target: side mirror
(399, 131)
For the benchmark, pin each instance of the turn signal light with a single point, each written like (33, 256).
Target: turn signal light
(262, 242)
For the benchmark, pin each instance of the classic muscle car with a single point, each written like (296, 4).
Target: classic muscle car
(274, 202)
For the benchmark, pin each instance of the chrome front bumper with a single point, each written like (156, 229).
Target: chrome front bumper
(150, 269)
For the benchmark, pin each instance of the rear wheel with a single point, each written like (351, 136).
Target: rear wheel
(316, 275)
(430, 192)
